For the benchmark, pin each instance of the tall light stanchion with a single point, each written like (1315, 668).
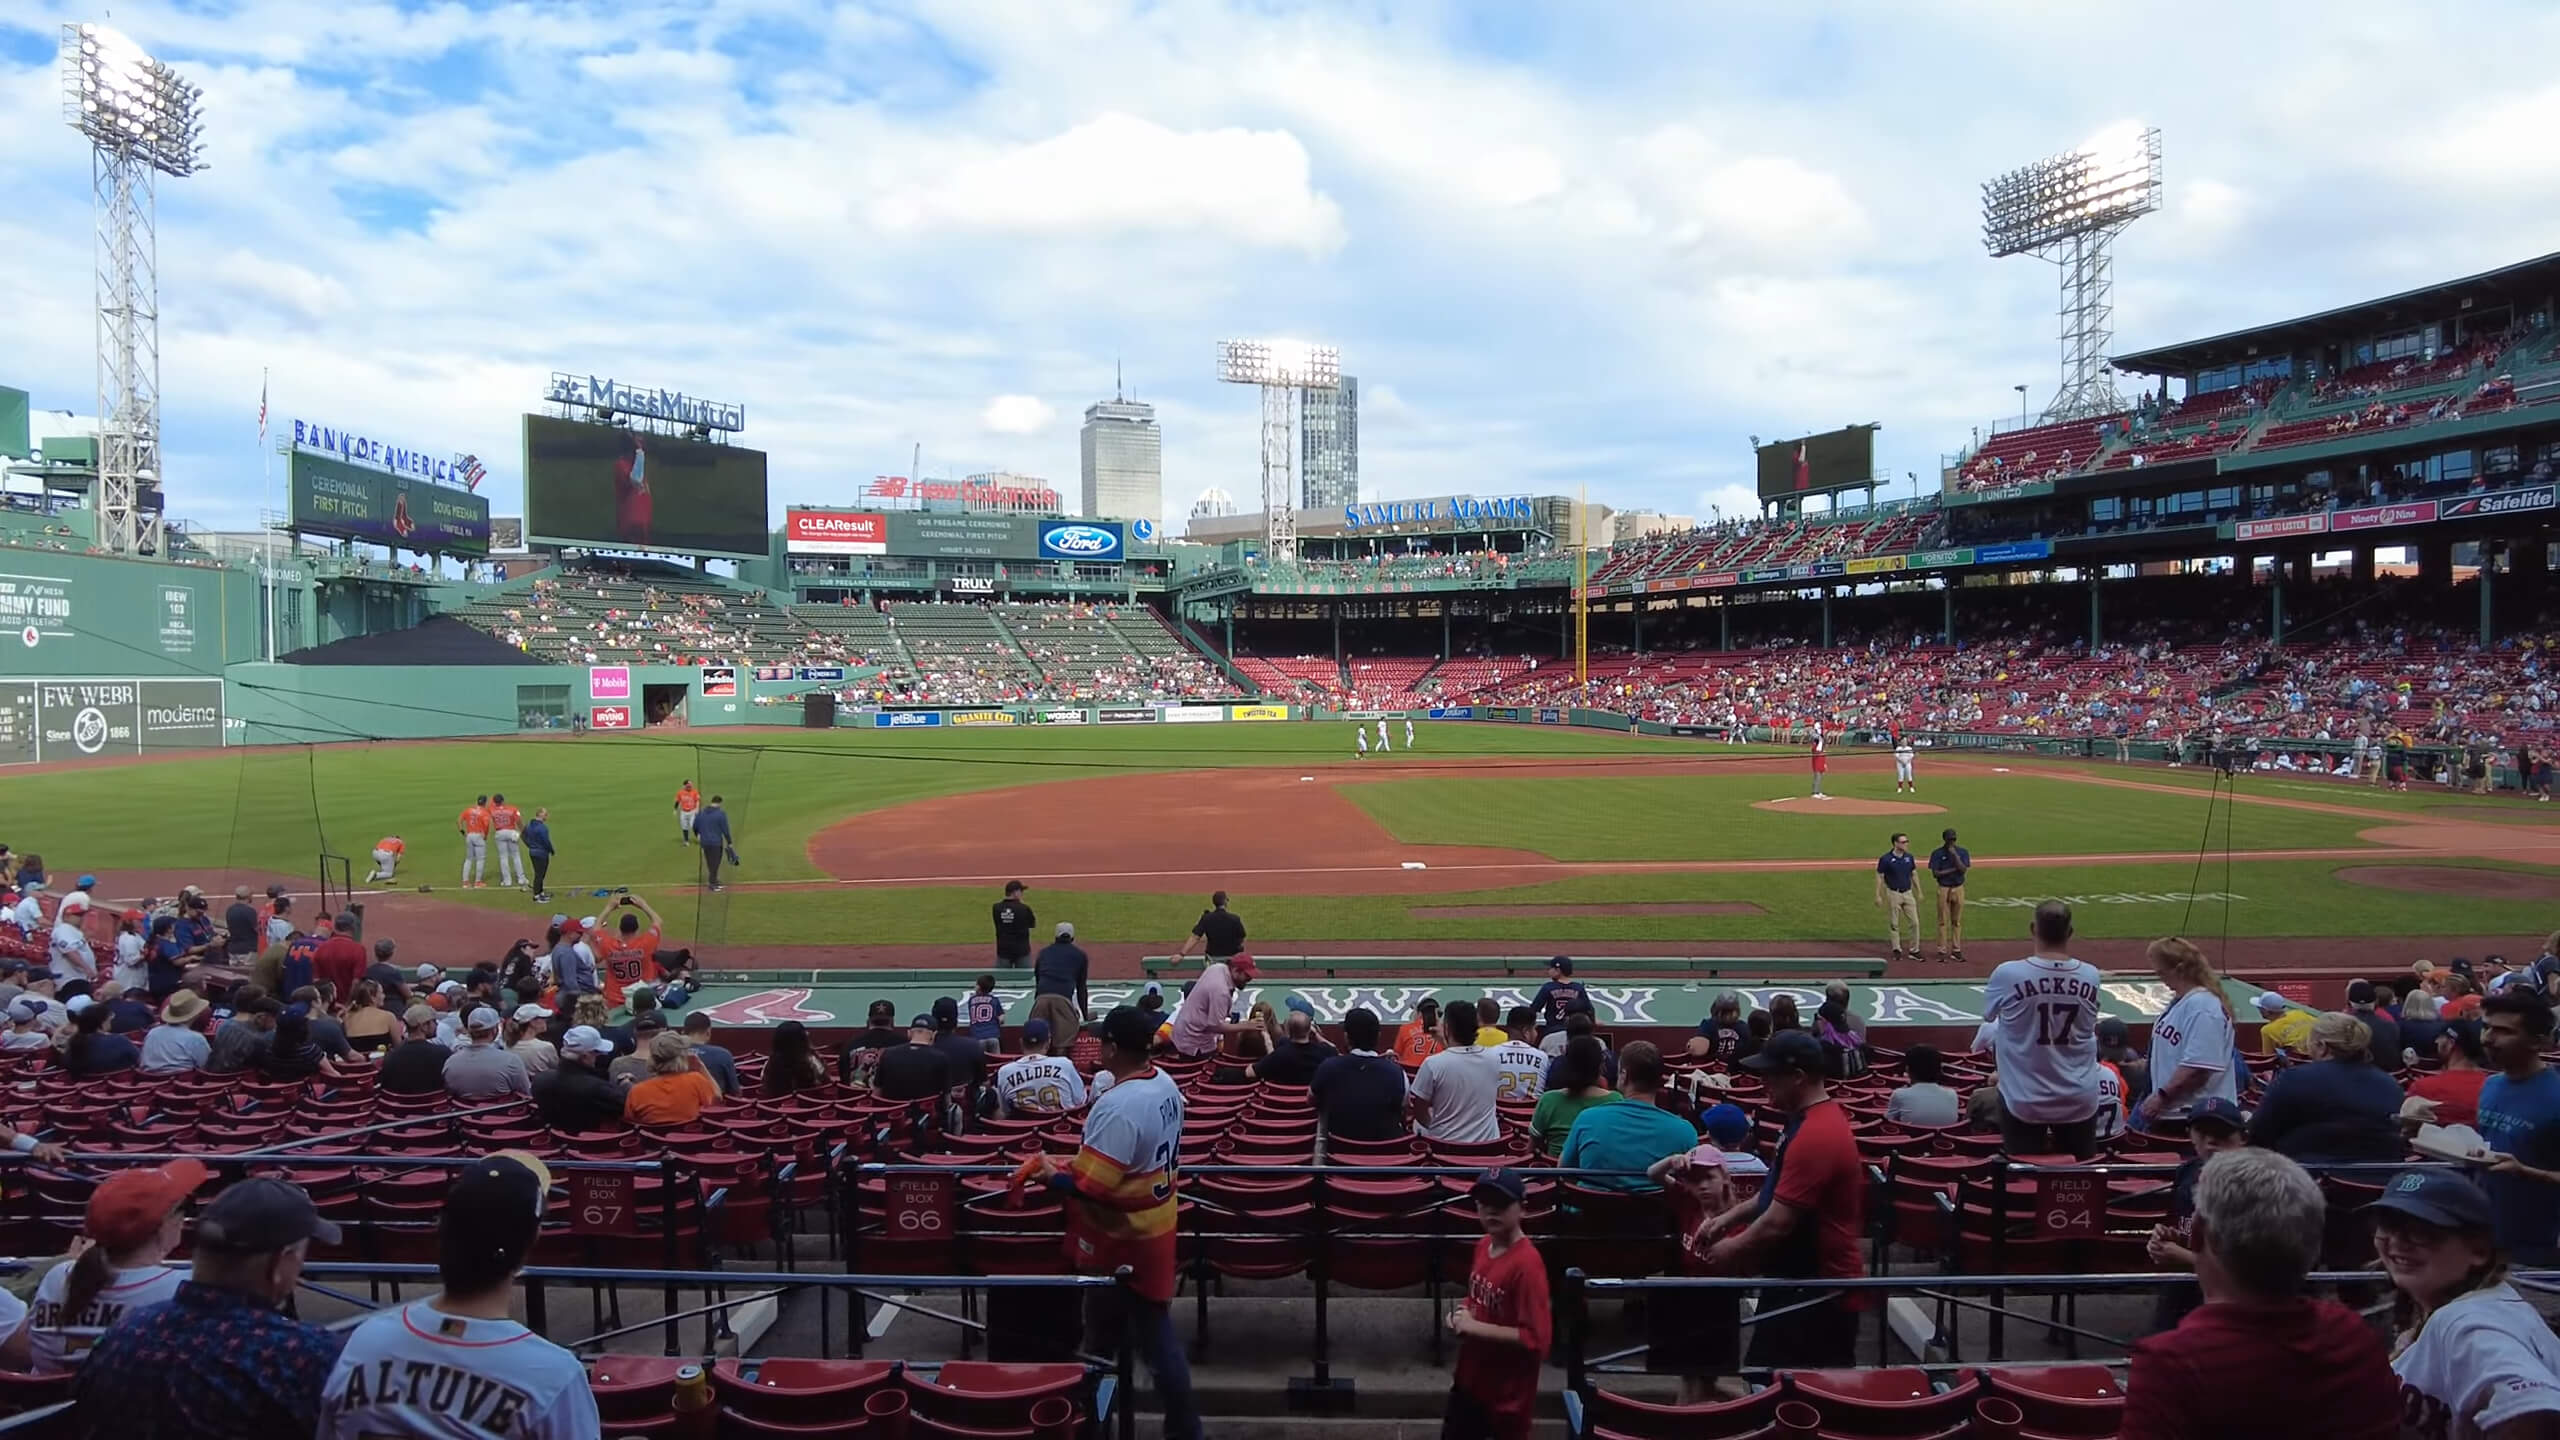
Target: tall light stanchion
(2068, 209)
(1582, 589)
(141, 121)
(1284, 369)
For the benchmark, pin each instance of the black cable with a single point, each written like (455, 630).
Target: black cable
(2204, 844)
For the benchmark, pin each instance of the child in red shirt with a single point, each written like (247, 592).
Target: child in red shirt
(1502, 1330)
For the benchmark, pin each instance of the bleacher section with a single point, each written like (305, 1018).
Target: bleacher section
(1298, 679)
(2039, 452)
(961, 654)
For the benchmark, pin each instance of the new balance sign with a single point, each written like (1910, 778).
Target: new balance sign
(2502, 502)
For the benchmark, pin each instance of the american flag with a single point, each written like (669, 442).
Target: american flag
(471, 470)
(262, 407)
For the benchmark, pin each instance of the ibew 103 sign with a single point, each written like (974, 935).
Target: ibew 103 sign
(1078, 540)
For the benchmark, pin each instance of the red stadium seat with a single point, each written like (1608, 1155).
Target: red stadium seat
(635, 1394)
(1618, 1417)
(1896, 1404)
(2061, 1400)
(789, 1396)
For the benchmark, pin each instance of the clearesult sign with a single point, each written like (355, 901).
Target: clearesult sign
(835, 532)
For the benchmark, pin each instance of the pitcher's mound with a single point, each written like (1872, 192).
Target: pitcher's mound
(1845, 805)
(2453, 880)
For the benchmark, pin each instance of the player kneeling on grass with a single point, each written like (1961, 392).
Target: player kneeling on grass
(1503, 1327)
(386, 858)
(454, 1363)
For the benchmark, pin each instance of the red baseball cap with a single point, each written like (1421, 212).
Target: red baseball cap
(1241, 967)
(128, 1207)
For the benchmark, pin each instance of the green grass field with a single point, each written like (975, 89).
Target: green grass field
(276, 809)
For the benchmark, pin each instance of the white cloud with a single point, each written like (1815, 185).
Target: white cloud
(1017, 415)
(1117, 173)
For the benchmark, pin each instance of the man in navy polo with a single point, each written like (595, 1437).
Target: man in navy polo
(1895, 897)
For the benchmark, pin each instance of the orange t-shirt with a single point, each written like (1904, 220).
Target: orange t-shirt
(1414, 1044)
(625, 963)
(670, 1099)
(390, 845)
(505, 817)
(475, 820)
(688, 798)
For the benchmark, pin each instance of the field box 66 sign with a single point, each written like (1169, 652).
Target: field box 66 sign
(921, 1207)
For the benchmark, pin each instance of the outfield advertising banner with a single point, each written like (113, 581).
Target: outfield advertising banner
(1193, 714)
(2383, 517)
(1058, 717)
(1877, 565)
(1079, 540)
(59, 720)
(963, 537)
(979, 718)
(719, 682)
(1257, 712)
(1125, 715)
(1940, 559)
(1451, 712)
(608, 682)
(609, 717)
(2014, 550)
(833, 532)
(351, 502)
(1550, 716)
(905, 720)
(2280, 527)
(2501, 502)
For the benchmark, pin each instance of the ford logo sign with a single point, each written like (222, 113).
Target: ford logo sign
(1081, 540)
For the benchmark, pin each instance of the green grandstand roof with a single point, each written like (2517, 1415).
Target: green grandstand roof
(2522, 283)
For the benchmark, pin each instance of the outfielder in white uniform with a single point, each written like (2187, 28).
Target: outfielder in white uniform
(2044, 1013)
(1039, 1083)
(1383, 746)
(1360, 737)
(454, 1364)
(1408, 732)
(1902, 757)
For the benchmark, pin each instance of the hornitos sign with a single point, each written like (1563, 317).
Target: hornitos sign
(1456, 510)
(381, 454)
(674, 406)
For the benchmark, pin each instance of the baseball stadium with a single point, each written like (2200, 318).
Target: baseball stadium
(2224, 713)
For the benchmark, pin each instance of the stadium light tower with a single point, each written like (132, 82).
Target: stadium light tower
(1284, 369)
(2068, 209)
(141, 121)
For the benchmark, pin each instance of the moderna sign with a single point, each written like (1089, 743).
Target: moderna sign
(831, 532)
(1079, 540)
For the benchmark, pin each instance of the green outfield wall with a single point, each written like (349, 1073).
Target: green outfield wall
(63, 614)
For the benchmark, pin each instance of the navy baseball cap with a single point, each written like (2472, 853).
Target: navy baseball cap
(1788, 1050)
(260, 1216)
(1129, 1028)
(1034, 1031)
(2360, 992)
(2216, 1111)
(921, 1022)
(1562, 964)
(1726, 1124)
(946, 1010)
(2436, 1197)
(1500, 1182)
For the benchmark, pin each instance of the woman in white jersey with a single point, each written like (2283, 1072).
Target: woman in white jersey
(2473, 1357)
(132, 1224)
(2191, 1042)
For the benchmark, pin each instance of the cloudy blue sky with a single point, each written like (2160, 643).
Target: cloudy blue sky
(1561, 244)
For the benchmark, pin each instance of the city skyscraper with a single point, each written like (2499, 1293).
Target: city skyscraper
(1329, 446)
(1123, 459)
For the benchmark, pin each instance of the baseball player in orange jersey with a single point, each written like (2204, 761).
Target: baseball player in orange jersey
(506, 823)
(474, 825)
(386, 857)
(688, 802)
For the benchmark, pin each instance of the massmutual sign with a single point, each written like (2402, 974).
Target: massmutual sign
(593, 393)
(1456, 510)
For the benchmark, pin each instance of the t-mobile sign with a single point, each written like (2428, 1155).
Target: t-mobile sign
(608, 682)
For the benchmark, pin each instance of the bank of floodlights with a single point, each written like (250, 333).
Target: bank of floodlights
(1284, 369)
(130, 104)
(2067, 209)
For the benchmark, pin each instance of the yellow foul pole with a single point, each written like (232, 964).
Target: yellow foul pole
(1582, 587)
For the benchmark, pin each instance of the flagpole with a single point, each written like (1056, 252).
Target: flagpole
(268, 452)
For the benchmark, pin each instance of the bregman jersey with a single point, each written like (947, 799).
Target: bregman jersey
(59, 1342)
(1121, 1207)
(417, 1371)
(2484, 1359)
(2195, 1030)
(1039, 1085)
(1520, 1073)
(2044, 1018)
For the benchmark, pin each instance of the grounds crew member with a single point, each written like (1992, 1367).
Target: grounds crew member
(1947, 866)
(1013, 927)
(711, 832)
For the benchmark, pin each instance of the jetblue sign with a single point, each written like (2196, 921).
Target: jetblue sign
(380, 454)
(1456, 510)
(1078, 540)
(672, 406)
